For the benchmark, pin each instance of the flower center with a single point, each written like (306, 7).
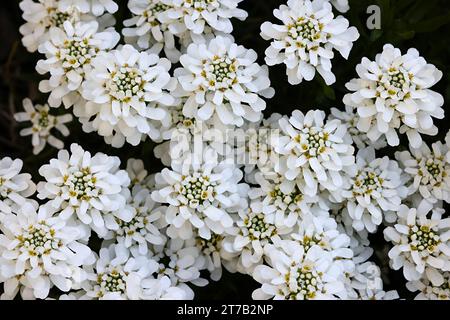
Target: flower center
(43, 120)
(81, 184)
(126, 83)
(433, 170)
(197, 189)
(76, 53)
(181, 121)
(38, 240)
(291, 198)
(135, 225)
(393, 82)
(58, 18)
(220, 72)
(308, 242)
(152, 12)
(366, 182)
(209, 246)
(423, 238)
(304, 281)
(199, 5)
(304, 31)
(258, 228)
(113, 281)
(313, 141)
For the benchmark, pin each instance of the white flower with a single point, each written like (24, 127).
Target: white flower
(375, 191)
(254, 147)
(212, 251)
(306, 38)
(182, 262)
(298, 275)
(436, 288)
(118, 275)
(41, 16)
(15, 187)
(339, 212)
(254, 231)
(350, 118)
(42, 124)
(315, 150)
(281, 198)
(421, 243)
(69, 53)
(197, 15)
(96, 7)
(365, 283)
(92, 187)
(138, 174)
(322, 231)
(162, 289)
(428, 170)
(40, 250)
(187, 134)
(123, 90)
(200, 194)
(146, 26)
(141, 229)
(223, 78)
(393, 93)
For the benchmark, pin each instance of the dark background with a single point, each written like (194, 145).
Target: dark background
(422, 24)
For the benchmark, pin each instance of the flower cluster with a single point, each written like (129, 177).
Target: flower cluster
(289, 200)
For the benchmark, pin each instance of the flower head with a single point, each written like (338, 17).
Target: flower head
(90, 187)
(293, 274)
(220, 77)
(306, 39)
(393, 93)
(428, 171)
(315, 150)
(69, 53)
(41, 250)
(421, 242)
(123, 90)
(200, 194)
(42, 125)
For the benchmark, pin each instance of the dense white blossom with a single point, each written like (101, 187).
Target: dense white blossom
(40, 250)
(315, 150)
(306, 39)
(375, 191)
(295, 274)
(393, 94)
(141, 229)
(221, 77)
(146, 27)
(428, 171)
(124, 91)
(421, 240)
(41, 16)
(90, 187)
(69, 53)
(200, 193)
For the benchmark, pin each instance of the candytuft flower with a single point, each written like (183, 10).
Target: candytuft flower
(393, 93)
(306, 39)
(42, 125)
